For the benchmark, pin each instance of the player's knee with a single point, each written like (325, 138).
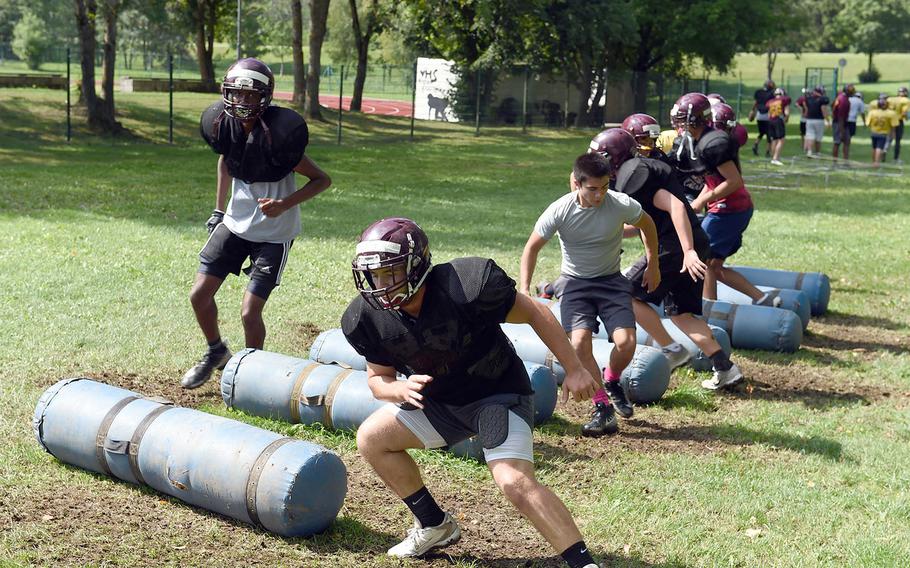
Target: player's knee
(200, 297)
(251, 315)
(368, 438)
(582, 346)
(624, 343)
(516, 486)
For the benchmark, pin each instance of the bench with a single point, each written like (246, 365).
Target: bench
(137, 84)
(47, 81)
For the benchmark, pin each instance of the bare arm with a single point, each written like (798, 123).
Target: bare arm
(529, 262)
(648, 232)
(223, 185)
(385, 386)
(733, 180)
(578, 380)
(318, 182)
(666, 201)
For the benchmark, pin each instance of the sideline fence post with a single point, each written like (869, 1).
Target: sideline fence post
(565, 110)
(170, 93)
(739, 95)
(340, 101)
(413, 99)
(524, 101)
(69, 130)
(477, 105)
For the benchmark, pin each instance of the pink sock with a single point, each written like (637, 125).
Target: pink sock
(610, 375)
(601, 396)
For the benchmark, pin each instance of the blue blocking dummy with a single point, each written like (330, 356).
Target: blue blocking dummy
(756, 327)
(796, 301)
(332, 347)
(816, 285)
(287, 486)
(645, 380)
(699, 361)
(295, 390)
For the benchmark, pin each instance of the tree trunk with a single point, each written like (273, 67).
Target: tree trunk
(202, 13)
(362, 42)
(100, 117)
(583, 85)
(869, 67)
(297, 98)
(319, 12)
(640, 89)
(772, 61)
(595, 116)
(111, 12)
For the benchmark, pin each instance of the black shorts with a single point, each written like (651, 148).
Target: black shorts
(585, 299)
(851, 128)
(224, 253)
(762, 127)
(802, 127)
(777, 130)
(678, 292)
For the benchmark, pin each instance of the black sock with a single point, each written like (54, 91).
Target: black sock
(425, 508)
(577, 555)
(216, 345)
(721, 361)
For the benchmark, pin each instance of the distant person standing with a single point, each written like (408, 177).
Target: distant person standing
(899, 104)
(857, 109)
(759, 112)
(883, 123)
(816, 117)
(801, 103)
(778, 115)
(840, 112)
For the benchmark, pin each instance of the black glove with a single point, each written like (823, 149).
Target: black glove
(215, 220)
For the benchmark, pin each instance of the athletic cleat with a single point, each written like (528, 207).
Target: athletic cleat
(603, 421)
(755, 148)
(202, 371)
(676, 358)
(768, 300)
(618, 397)
(421, 540)
(776, 163)
(722, 379)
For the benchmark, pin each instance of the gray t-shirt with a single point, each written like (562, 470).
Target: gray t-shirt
(244, 218)
(590, 237)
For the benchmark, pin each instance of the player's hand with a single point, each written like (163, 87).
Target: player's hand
(651, 279)
(215, 220)
(409, 390)
(272, 207)
(693, 265)
(526, 292)
(581, 384)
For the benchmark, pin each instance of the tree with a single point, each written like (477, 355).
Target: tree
(30, 39)
(363, 34)
(204, 16)
(790, 33)
(874, 26)
(299, 71)
(319, 12)
(100, 111)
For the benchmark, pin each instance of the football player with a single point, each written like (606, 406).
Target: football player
(714, 154)
(590, 222)
(646, 131)
(439, 326)
(684, 248)
(260, 147)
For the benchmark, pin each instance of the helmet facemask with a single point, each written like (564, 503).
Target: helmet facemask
(246, 92)
(386, 277)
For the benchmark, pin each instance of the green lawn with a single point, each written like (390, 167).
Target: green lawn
(808, 466)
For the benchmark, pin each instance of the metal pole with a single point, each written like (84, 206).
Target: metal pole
(340, 97)
(739, 95)
(238, 27)
(477, 105)
(565, 111)
(524, 101)
(69, 130)
(413, 99)
(170, 92)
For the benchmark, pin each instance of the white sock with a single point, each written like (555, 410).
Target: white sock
(673, 347)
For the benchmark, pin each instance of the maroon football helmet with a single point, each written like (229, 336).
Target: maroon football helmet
(616, 145)
(691, 109)
(400, 245)
(724, 117)
(642, 125)
(715, 98)
(247, 88)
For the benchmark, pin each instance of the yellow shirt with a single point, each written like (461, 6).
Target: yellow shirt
(900, 105)
(881, 121)
(665, 140)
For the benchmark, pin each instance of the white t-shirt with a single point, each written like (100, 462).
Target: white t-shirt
(590, 237)
(244, 218)
(857, 107)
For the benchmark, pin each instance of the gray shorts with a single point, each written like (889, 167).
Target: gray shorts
(815, 129)
(502, 422)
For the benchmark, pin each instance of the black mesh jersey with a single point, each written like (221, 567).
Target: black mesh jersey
(456, 338)
(716, 147)
(641, 178)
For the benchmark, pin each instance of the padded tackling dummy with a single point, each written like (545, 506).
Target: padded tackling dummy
(756, 327)
(699, 361)
(263, 383)
(332, 347)
(287, 486)
(645, 380)
(816, 285)
(796, 301)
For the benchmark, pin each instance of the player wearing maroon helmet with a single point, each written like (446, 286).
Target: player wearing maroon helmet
(778, 115)
(260, 147)
(439, 326)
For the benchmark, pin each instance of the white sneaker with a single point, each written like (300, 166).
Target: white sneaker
(723, 379)
(677, 358)
(421, 540)
(768, 300)
(776, 163)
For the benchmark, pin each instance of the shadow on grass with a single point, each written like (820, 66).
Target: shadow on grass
(740, 436)
(608, 561)
(815, 399)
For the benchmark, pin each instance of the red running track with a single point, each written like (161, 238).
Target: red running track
(385, 107)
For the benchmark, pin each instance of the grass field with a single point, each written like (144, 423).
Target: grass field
(807, 465)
